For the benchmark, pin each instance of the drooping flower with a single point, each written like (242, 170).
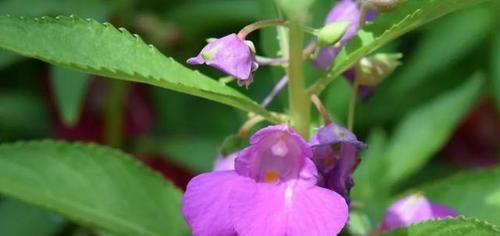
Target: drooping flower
(411, 210)
(230, 54)
(335, 153)
(272, 191)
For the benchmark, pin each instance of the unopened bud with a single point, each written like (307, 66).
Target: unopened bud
(332, 33)
(373, 70)
(381, 5)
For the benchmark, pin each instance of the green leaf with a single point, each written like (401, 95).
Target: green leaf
(387, 27)
(20, 219)
(101, 49)
(95, 186)
(425, 130)
(473, 193)
(69, 89)
(446, 41)
(8, 58)
(97, 9)
(448, 227)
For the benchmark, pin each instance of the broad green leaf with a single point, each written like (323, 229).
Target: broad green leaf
(101, 49)
(448, 227)
(473, 193)
(495, 67)
(425, 130)
(92, 185)
(69, 89)
(8, 58)
(21, 219)
(387, 27)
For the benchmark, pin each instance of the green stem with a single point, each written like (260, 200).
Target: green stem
(114, 113)
(352, 104)
(299, 101)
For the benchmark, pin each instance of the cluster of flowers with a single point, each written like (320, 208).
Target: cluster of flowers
(282, 184)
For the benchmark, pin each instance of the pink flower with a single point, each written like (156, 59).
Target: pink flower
(272, 191)
(413, 209)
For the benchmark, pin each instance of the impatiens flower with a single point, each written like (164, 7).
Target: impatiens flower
(411, 210)
(230, 54)
(335, 153)
(271, 192)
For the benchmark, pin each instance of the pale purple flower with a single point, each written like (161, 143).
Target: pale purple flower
(272, 191)
(344, 10)
(231, 55)
(225, 162)
(411, 210)
(335, 153)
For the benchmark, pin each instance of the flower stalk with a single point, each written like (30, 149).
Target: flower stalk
(298, 99)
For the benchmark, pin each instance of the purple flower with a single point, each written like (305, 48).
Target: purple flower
(272, 191)
(411, 210)
(231, 55)
(335, 153)
(364, 91)
(344, 10)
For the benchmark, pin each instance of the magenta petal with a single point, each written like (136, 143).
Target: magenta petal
(205, 204)
(198, 60)
(287, 209)
(440, 211)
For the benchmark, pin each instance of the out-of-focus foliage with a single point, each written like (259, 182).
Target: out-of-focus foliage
(459, 226)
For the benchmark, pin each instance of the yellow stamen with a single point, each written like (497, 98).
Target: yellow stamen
(271, 176)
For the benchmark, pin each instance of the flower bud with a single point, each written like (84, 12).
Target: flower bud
(373, 70)
(332, 33)
(381, 5)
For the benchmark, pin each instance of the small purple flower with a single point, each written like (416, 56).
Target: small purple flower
(411, 210)
(230, 54)
(271, 192)
(335, 153)
(364, 91)
(344, 10)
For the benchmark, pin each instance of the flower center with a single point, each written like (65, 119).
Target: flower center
(271, 176)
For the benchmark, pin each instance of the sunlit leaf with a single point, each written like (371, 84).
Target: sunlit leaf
(101, 49)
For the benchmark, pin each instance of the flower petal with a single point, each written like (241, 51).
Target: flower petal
(205, 204)
(440, 211)
(287, 209)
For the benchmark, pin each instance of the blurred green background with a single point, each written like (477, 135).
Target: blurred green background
(436, 115)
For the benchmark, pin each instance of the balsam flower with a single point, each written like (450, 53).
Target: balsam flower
(335, 153)
(271, 192)
(411, 210)
(225, 162)
(230, 54)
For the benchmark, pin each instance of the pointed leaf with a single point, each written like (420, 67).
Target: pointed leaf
(448, 227)
(69, 89)
(387, 27)
(101, 49)
(95, 186)
(426, 129)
